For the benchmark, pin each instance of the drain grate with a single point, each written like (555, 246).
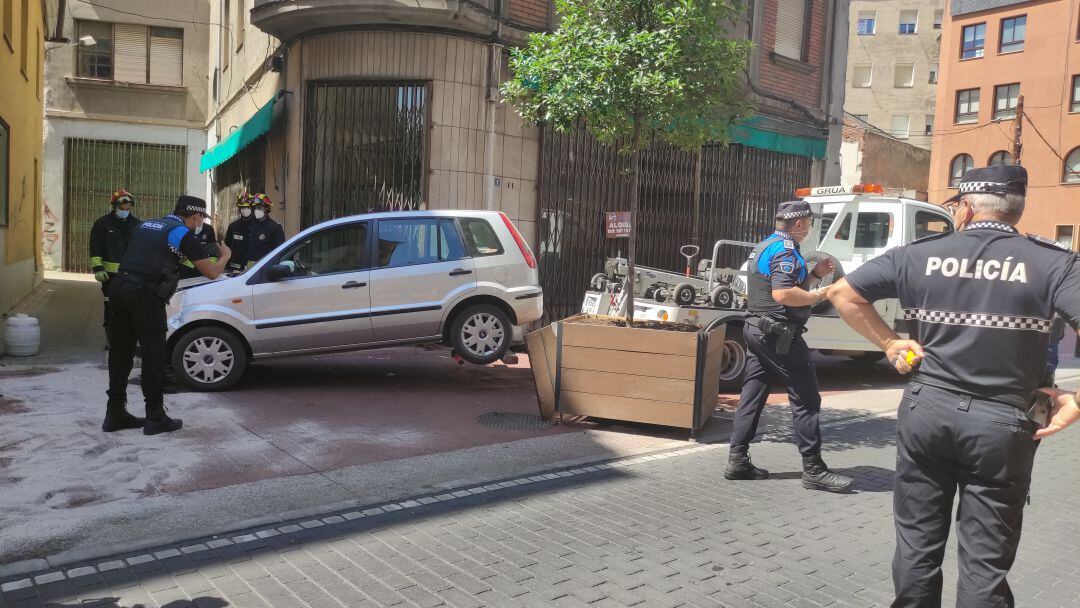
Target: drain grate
(513, 421)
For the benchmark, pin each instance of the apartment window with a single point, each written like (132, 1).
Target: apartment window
(1072, 167)
(226, 35)
(967, 106)
(127, 52)
(862, 75)
(928, 125)
(1005, 98)
(1064, 236)
(5, 166)
(900, 126)
(24, 42)
(1076, 94)
(9, 19)
(95, 60)
(973, 41)
(933, 73)
(241, 12)
(791, 28)
(938, 15)
(904, 75)
(960, 165)
(1013, 32)
(867, 23)
(909, 21)
(1000, 159)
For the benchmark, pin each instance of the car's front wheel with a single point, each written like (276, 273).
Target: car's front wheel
(209, 359)
(481, 334)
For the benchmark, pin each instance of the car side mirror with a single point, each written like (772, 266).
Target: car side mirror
(278, 272)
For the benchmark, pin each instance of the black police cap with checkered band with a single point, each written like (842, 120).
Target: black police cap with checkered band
(791, 210)
(1000, 179)
(192, 204)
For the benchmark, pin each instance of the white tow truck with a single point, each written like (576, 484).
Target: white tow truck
(854, 224)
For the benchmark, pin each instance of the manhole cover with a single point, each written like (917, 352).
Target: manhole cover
(512, 421)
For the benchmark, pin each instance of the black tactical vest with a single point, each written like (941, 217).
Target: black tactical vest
(149, 256)
(980, 301)
(759, 299)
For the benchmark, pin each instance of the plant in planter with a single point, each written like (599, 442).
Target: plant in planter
(633, 71)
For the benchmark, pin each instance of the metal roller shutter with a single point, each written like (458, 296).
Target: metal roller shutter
(167, 56)
(129, 52)
(790, 26)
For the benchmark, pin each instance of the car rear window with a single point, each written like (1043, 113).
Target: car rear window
(481, 237)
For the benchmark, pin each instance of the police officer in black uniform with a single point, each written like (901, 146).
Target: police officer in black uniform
(146, 281)
(204, 233)
(109, 238)
(979, 304)
(778, 303)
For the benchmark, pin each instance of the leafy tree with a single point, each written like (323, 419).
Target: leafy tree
(632, 71)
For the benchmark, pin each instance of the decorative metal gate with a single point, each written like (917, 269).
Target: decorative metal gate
(364, 148)
(582, 179)
(94, 169)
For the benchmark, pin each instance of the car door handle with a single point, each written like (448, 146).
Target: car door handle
(457, 272)
(353, 285)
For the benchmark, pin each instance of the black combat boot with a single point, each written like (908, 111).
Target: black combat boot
(157, 421)
(740, 467)
(816, 476)
(117, 418)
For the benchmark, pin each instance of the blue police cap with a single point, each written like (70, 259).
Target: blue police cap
(791, 210)
(1000, 179)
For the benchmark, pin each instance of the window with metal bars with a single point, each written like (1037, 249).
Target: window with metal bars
(364, 148)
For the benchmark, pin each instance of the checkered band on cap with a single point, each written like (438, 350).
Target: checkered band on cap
(978, 319)
(989, 187)
(794, 214)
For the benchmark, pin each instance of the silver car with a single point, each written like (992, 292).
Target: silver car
(464, 278)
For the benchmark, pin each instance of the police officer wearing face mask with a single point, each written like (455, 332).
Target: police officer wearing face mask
(238, 234)
(979, 304)
(109, 238)
(204, 233)
(266, 234)
(143, 286)
(778, 303)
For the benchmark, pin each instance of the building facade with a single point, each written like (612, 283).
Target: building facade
(995, 53)
(23, 30)
(893, 65)
(869, 155)
(125, 107)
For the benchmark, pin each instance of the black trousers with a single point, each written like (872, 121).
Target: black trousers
(137, 316)
(796, 371)
(106, 287)
(947, 444)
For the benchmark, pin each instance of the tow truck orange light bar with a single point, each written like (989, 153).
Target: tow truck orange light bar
(832, 190)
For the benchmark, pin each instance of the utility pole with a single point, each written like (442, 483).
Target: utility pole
(1018, 130)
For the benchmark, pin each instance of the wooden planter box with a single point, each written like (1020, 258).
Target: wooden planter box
(587, 366)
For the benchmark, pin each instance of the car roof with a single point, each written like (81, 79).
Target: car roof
(488, 215)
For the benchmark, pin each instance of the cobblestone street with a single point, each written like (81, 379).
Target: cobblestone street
(662, 530)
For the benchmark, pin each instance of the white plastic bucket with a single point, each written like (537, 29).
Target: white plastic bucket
(22, 336)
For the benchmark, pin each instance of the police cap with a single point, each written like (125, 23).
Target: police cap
(190, 204)
(1000, 179)
(791, 210)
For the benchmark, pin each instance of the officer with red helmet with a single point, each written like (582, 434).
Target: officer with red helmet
(109, 239)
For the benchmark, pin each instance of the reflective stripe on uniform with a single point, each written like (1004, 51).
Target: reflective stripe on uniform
(95, 261)
(945, 317)
(191, 264)
(113, 267)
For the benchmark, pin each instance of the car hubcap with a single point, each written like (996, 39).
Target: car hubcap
(482, 334)
(734, 360)
(208, 360)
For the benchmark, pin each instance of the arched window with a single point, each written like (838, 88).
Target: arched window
(961, 164)
(1072, 167)
(1000, 158)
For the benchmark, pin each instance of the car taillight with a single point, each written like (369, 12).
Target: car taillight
(530, 259)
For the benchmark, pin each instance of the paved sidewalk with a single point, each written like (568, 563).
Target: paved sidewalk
(660, 531)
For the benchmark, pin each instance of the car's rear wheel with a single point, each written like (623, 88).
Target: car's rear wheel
(481, 334)
(209, 359)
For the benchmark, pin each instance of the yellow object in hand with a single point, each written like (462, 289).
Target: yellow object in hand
(910, 357)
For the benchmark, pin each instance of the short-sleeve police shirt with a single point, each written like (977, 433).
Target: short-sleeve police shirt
(782, 263)
(981, 303)
(184, 241)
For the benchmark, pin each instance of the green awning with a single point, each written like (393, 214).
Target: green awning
(248, 132)
(748, 134)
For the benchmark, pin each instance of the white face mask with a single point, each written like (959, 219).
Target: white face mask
(245, 212)
(123, 213)
(259, 214)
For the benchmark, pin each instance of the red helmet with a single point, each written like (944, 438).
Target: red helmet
(261, 200)
(122, 196)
